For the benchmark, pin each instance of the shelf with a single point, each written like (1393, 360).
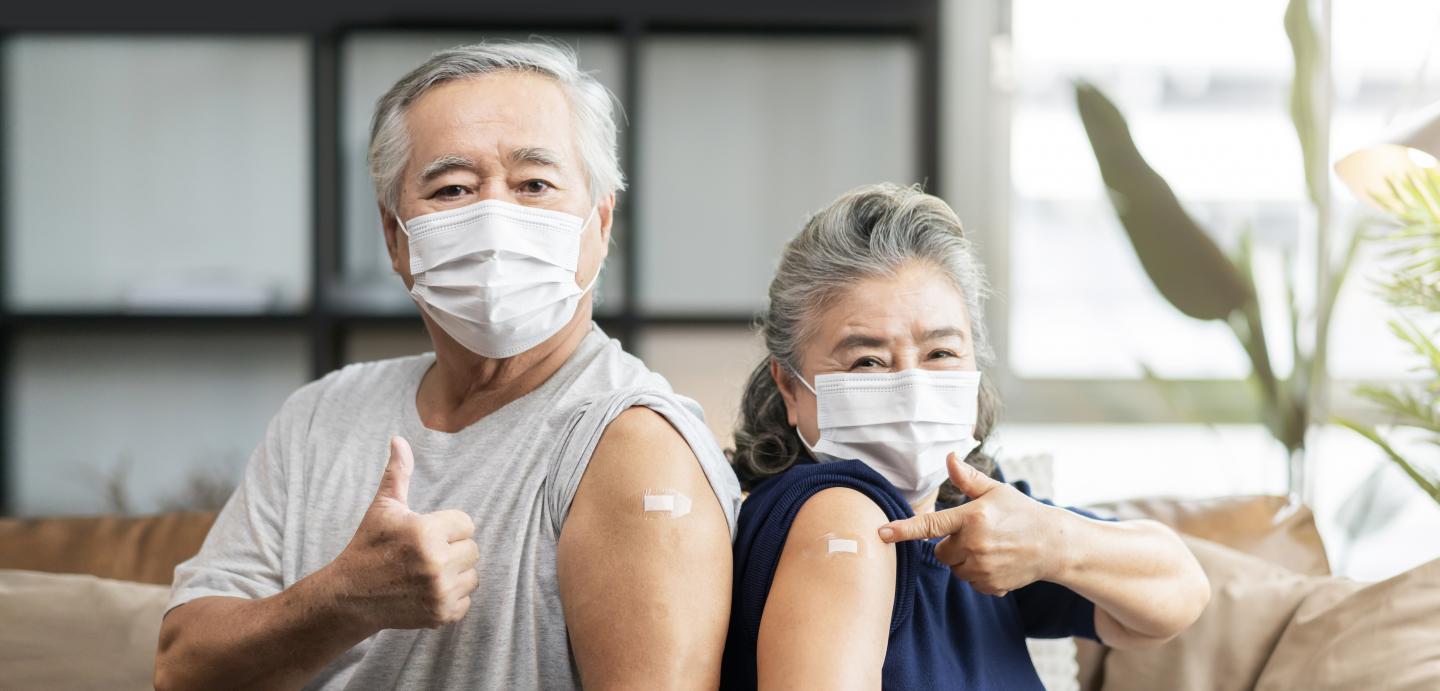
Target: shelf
(123, 320)
(128, 320)
(164, 364)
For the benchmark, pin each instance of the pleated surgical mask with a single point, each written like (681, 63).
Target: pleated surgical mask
(498, 277)
(901, 424)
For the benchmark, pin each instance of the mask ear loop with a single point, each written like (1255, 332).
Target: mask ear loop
(796, 373)
(804, 383)
(406, 231)
(583, 225)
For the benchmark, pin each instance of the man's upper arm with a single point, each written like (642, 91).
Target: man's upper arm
(826, 622)
(646, 593)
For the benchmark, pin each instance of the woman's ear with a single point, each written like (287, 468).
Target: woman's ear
(786, 384)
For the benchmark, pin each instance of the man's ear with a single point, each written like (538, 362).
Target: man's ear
(605, 211)
(786, 384)
(393, 236)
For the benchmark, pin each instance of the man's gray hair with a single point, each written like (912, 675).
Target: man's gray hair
(591, 104)
(870, 231)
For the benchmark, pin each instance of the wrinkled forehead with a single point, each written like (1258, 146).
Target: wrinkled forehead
(917, 303)
(490, 116)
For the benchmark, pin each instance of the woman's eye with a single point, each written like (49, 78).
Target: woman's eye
(867, 361)
(535, 187)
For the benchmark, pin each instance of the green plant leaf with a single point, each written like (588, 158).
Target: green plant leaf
(1186, 266)
(1309, 78)
(1428, 485)
(1249, 330)
(1403, 406)
(1339, 273)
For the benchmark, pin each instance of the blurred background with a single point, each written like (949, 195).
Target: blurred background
(189, 234)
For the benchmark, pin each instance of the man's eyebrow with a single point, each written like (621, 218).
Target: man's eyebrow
(536, 155)
(445, 164)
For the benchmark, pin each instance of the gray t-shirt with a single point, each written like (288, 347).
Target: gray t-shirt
(514, 471)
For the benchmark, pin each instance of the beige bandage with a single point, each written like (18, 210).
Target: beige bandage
(664, 504)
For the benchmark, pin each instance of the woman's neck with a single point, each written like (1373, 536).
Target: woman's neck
(926, 503)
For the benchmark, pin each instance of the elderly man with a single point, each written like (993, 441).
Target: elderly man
(551, 513)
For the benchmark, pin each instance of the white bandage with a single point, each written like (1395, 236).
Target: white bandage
(837, 546)
(665, 503)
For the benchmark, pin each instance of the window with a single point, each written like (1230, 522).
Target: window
(742, 138)
(128, 421)
(1081, 323)
(1386, 63)
(127, 193)
(1208, 115)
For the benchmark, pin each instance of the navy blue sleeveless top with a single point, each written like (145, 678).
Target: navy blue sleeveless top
(943, 633)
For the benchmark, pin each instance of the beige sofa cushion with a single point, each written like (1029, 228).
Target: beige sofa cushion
(1251, 603)
(1267, 527)
(1383, 636)
(66, 631)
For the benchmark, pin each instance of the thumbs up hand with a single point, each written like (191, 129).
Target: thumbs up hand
(402, 569)
(998, 541)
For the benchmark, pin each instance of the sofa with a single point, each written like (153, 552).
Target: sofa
(81, 600)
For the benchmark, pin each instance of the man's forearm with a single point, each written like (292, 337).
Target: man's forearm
(1138, 573)
(277, 642)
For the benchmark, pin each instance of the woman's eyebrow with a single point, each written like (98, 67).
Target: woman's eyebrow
(860, 341)
(946, 332)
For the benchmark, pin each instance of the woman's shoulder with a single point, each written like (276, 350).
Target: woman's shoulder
(798, 485)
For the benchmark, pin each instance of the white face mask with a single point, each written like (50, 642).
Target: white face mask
(498, 277)
(901, 424)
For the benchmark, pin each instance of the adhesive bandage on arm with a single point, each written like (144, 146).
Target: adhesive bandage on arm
(837, 545)
(664, 504)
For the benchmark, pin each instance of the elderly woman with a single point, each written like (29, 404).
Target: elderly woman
(856, 565)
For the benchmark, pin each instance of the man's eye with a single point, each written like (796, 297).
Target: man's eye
(535, 187)
(867, 361)
(937, 354)
(449, 192)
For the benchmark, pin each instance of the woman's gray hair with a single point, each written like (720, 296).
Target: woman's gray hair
(870, 231)
(592, 105)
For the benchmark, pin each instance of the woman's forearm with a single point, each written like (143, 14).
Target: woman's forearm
(1137, 573)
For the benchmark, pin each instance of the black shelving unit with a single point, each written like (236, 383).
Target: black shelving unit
(326, 323)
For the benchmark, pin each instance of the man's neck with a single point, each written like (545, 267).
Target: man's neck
(463, 387)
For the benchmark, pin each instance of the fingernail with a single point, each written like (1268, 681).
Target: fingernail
(887, 533)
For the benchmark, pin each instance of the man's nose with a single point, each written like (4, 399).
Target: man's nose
(493, 188)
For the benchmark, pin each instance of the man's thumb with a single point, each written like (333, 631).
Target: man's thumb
(395, 483)
(967, 479)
